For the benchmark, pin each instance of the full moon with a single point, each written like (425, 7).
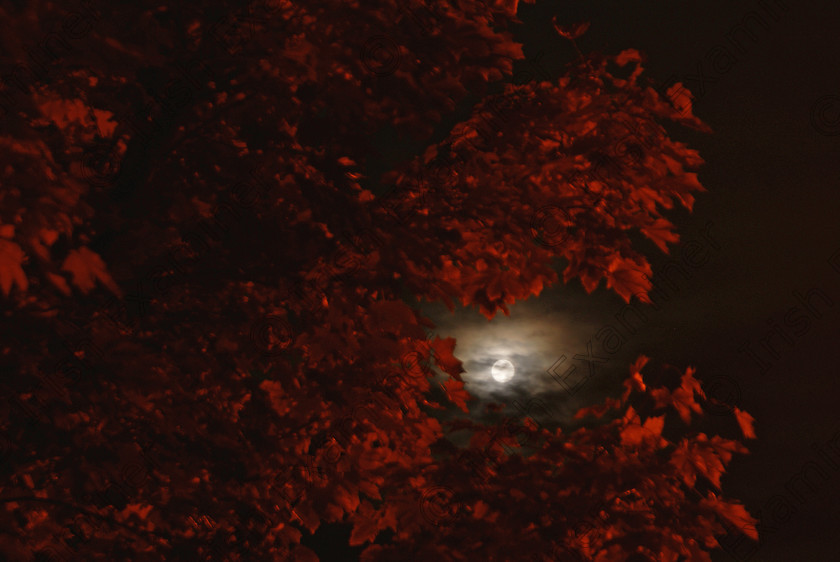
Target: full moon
(502, 370)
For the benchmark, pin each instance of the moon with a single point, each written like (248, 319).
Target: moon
(502, 370)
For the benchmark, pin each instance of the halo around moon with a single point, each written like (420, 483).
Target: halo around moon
(502, 370)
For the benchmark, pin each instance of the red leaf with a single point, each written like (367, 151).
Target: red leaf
(629, 278)
(635, 382)
(634, 434)
(11, 259)
(639, 364)
(480, 509)
(681, 97)
(347, 499)
(87, 267)
(736, 514)
(628, 55)
(443, 349)
(660, 232)
(456, 393)
(308, 516)
(746, 422)
(365, 527)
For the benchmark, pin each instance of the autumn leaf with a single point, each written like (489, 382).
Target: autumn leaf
(455, 391)
(364, 530)
(635, 382)
(736, 514)
(48, 236)
(365, 527)
(277, 396)
(104, 124)
(442, 349)
(660, 232)
(11, 272)
(308, 516)
(60, 283)
(629, 278)
(683, 398)
(634, 434)
(140, 510)
(699, 456)
(628, 55)
(62, 112)
(745, 421)
(681, 97)
(87, 267)
(639, 364)
(480, 509)
(683, 401)
(346, 498)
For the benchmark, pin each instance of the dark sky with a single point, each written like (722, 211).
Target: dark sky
(771, 171)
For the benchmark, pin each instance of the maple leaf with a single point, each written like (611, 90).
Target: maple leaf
(347, 498)
(140, 510)
(628, 55)
(703, 457)
(11, 259)
(634, 434)
(639, 364)
(629, 278)
(364, 530)
(745, 421)
(480, 509)
(735, 513)
(442, 349)
(455, 392)
(60, 283)
(681, 459)
(365, 526)
(87, 267)
(370, 489)
(661, 232)
(681, 97)
(308, 516)
(277, 396)
(682, 399)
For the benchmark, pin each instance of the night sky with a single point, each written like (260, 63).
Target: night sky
(750, 296)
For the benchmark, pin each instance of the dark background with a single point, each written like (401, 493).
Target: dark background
(771, 172)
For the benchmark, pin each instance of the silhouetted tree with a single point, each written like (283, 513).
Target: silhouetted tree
(209, 346)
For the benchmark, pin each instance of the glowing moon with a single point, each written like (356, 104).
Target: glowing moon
(502, 370)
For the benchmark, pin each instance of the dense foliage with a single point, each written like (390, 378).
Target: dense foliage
(209, 344)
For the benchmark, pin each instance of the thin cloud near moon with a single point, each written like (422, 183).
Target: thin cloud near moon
(533, 338)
